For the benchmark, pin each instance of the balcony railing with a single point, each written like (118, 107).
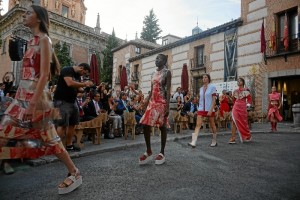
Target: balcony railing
(135, 76)
(279, 49)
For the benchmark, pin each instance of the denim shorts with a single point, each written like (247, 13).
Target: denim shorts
(69, 113)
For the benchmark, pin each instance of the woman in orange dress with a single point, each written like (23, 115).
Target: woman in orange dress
(157, 110)
(241, 99)
(274, 106)
(28, 119)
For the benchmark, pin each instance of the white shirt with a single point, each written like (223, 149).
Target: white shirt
(206, 97)
(96, 107)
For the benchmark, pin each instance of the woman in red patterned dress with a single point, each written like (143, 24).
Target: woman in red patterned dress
(28, 119)
(157, 110)
(274, 106)
(241, 99)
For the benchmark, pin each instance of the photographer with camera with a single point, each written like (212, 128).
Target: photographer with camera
(65, 99)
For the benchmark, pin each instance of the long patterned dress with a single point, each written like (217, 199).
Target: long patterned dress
(239, 112)
(155, 111)
(274, 103)
(38, 137)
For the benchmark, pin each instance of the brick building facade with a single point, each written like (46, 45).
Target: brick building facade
(233, 50)
(67, 24)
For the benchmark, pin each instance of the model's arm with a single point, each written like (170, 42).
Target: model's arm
(45, 50)
(168, 92)
(213, 104)
(280, 104)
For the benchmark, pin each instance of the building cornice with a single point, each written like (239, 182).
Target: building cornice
(137, 43)
(204, 34)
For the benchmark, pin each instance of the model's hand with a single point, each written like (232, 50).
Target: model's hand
(209, 113)
(29, 112)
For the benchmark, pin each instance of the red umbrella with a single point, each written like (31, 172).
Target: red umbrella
(185, 78)
(123, 81)
(94, 75)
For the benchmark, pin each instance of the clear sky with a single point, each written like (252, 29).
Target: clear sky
(176, 17)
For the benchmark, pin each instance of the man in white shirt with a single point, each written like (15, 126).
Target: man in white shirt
(178, 93)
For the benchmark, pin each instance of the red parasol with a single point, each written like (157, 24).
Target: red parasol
(185, 78)
(94, 75)
(123, 81)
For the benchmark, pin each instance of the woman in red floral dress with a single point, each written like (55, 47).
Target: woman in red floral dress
(157, 110)
(28, 119)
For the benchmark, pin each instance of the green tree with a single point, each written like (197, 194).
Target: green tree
(151, 30)
(63, 54)
(106, 72)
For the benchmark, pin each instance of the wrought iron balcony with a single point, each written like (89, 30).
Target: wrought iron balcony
(279, 49)
(135, 76)
(197, 68)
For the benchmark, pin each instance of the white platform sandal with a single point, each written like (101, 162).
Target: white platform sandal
(72, 182)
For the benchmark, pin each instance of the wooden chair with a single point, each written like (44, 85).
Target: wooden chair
(205, 122)
(177, 123)
(95, 123)
(153, 130)
(129, 124)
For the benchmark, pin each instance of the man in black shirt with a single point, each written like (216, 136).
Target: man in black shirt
(65, 99)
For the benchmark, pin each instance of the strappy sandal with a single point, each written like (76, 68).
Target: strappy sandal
(160, 159)
(73, 181)
(145, 158)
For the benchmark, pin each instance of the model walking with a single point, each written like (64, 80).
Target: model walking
(157, 109)
(274, 106)
(28, 119)
(241, 97)
(206, 107)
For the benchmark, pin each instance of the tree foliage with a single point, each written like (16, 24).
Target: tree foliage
(106, 72)
(63, 54)
(151, 31)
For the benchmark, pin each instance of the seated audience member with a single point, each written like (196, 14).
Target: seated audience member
(103, 95)
(190, 109)
(187, 97)
(178, 93)
(122, 104)
(134, 105)
(82, 102)
(114, 117)
(93, 108)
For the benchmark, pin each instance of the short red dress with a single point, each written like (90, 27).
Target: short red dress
(36, 138)
(155, 111)
(224, 106)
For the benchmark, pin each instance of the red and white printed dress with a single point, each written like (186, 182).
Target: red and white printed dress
(38, 137)
(155, 111)
(241, 97)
